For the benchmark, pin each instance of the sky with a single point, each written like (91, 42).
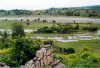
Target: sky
(44, 4)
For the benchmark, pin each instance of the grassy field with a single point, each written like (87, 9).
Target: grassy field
(91, 44)
(33, 24)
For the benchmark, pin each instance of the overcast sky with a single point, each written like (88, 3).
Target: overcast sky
(44, 4)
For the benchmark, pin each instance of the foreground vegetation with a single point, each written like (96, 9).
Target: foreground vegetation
(18, 48)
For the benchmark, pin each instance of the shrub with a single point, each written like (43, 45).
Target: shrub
(5, 41)
(18, 30)
(70, 50)
(24, 50)
(67, 50)
(45, 30)
(48, 42)
(83, 59)
(66, 28)
(90, 28)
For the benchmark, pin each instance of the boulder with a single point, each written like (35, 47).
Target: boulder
(39, 54)
(37, 64)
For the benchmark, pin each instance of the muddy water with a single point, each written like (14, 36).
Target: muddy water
(58, 19)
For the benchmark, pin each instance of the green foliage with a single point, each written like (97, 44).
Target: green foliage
(56, 11)
(81, 59)
(5, 41)
(18, 29)
(66, 50)
(24, 50)
(45, 30)
(15, 12)
(59, 28)
(90, 28)
(49, 42)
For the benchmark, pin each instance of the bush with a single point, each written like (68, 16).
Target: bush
(59, 28)
(5, 41)
(45, 30)
(83, 59)
(90, 28)
(18, 30)
(48, 42)
(24, 50)
(67, 50)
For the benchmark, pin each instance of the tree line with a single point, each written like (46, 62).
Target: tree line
(55, 11)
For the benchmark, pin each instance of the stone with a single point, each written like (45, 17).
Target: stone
(54, 63)
(39, 54)
(48, 60)
(47, 46)
(42, 64)
(3, 65)
(37, 64)
(43, 50)
(44, 60)
(42, 46)
(59, 66)
(48, 52)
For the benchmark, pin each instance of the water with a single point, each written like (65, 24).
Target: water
(10, 31)
(67, 40)
(98, 32)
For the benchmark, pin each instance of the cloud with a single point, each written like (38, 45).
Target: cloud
(44, 4)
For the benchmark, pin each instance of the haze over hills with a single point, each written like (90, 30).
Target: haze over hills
(84, 7)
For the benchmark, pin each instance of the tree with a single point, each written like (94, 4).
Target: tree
(18, 30)
(24, 50)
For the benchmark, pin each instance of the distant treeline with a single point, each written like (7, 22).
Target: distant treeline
(16, 12)
(55, 11)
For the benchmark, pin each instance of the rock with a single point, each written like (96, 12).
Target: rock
(37, 64)
(3, 65)
(39, 54)
(43, 50)
(42, 64)
(29, 64)
(44, 60)
(48, 52)
(42, 46)
(59, 66)
(54, 63)
(47, 47)
(48, 60)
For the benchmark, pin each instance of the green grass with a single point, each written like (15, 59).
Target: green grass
(93, 44)
(33, 25)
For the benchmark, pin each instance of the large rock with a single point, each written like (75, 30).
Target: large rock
(43, 50)
(39, 54)
(48, 52)
(37, 64)
(29, 64)
(59, 66)
(3, 65)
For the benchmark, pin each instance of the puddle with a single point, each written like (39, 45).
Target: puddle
(67, 40)
(10, 31)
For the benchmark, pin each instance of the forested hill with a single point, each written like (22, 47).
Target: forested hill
(85, 11)
(82, 7)
(91, 7)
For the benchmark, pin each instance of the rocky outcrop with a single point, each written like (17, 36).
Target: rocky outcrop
(43, 58)
(3, 65)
